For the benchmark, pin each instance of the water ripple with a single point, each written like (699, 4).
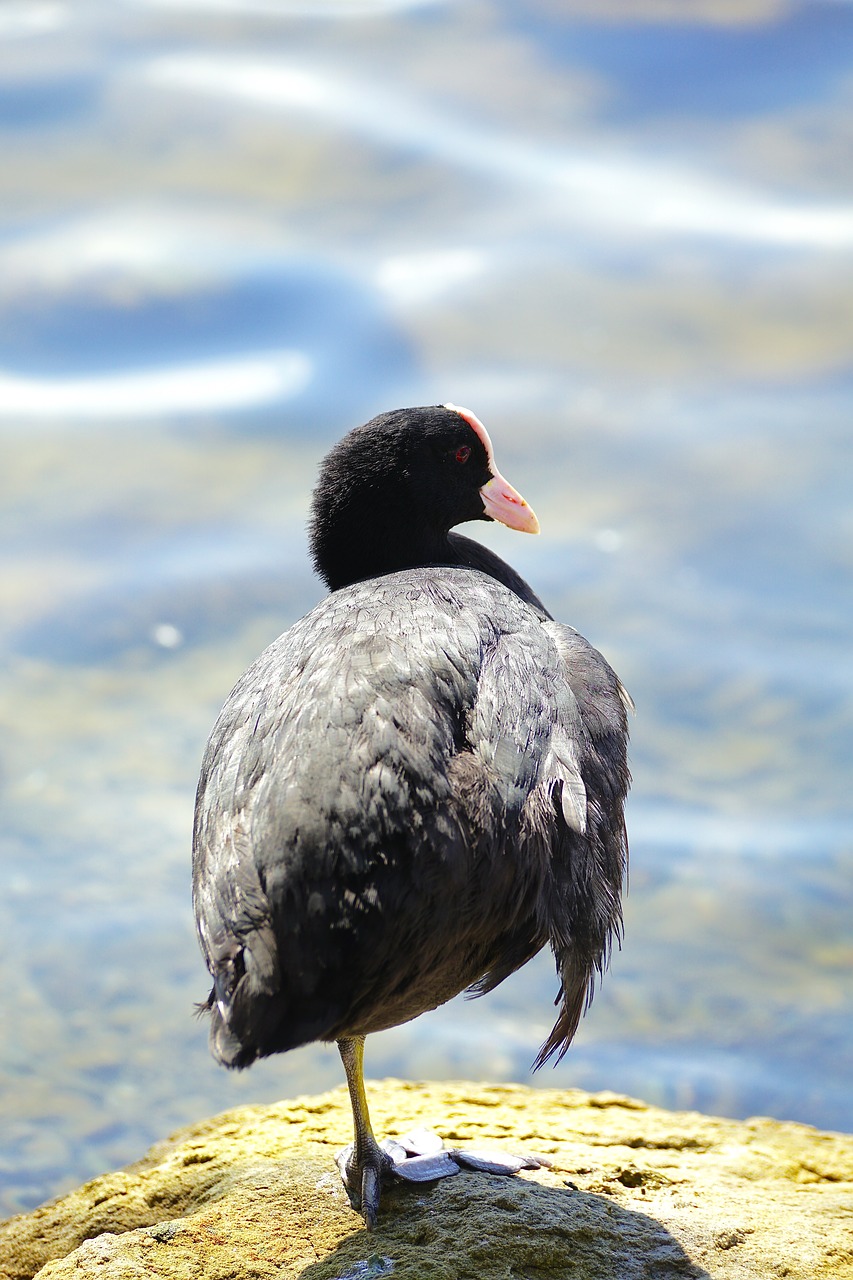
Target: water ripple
(648, 197)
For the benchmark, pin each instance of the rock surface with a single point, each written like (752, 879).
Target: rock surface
(633, 1193)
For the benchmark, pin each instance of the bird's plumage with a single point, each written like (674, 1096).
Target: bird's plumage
(381, 825)
(416, 787)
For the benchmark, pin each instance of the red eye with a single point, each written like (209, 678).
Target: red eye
(463, 453)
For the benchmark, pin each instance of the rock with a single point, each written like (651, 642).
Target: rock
(632, 1192)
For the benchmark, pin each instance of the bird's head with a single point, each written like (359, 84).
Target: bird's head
(390, 491)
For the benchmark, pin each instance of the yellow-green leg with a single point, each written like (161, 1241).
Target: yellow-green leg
(363, 1168)
(416, 1157)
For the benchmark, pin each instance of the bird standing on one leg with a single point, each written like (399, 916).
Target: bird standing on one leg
(416, 787)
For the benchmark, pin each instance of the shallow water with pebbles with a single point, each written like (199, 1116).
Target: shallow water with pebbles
(230, 232)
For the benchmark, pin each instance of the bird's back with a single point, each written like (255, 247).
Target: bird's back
(408, 793)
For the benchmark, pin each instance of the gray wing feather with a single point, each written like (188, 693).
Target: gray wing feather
(589, 861)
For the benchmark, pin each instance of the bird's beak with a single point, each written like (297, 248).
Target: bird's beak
(506, 505)
(500, 501)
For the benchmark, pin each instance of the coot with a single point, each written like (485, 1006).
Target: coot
(417, 786)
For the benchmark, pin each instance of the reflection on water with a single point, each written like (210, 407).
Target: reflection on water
(267, 376)
(216, 342)
(229, 232)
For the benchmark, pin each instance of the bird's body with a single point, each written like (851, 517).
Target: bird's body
(408, 794)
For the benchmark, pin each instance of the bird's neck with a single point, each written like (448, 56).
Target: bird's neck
(343, 556)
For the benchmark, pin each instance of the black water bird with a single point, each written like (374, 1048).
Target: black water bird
(417, 786)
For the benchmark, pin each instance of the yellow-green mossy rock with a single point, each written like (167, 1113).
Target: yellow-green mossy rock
(633, 1193)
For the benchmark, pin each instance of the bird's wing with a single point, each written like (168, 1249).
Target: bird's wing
(549, 728)
(588, 842)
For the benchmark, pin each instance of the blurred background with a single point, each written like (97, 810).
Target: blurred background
(621, 231)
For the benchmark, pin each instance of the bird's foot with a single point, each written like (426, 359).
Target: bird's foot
(362, 1176)
(419, 1156)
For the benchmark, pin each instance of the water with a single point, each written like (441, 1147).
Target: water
(229, 231)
